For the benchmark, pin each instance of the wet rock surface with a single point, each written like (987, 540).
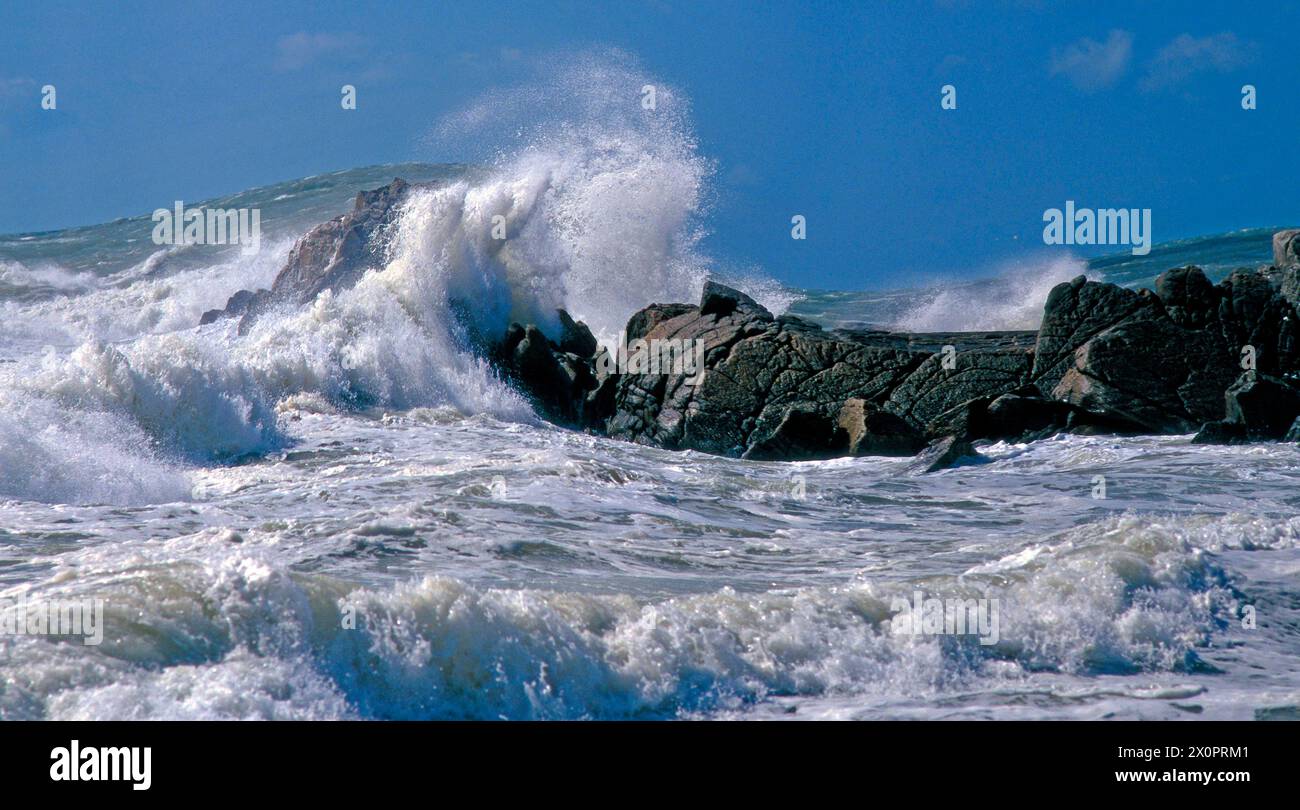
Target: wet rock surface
(332, 256)
(726, 376)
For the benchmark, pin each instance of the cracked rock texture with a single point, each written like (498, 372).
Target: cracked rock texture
(780, 387)
(332, 256)
(1106, 360)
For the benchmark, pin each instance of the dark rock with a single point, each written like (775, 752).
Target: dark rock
(1087, 423)
(761, 368)
(1157, 361)
(1246, 300)
(721, 301)
(598, 407)
(942, 454)
(933, 389)
(556, 382)
(1286, 248)
(1108, 359)
(1265, 406)
(1023, 415)
(1077, 311)
(236, 305)
(1189, 298)
(965, 420)
(870, 431)
(576, 337)
(1019, 417)
(1288, 282)
(640, 324)
(1221, 432)
(802, 434)
(1293, 432)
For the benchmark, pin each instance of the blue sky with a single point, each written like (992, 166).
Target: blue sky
(830, 110)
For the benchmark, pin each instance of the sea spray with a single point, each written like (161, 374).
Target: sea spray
(597, 211)
(1011, 299)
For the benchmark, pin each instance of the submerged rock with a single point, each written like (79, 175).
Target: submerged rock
(944, 453)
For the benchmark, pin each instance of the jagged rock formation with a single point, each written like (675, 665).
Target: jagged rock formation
(331, 256)
(556, 377)
(1257, 407)
(1286, 248)
(780, 387)
(1161, 360)
(1106, 360)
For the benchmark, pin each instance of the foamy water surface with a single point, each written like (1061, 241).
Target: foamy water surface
(344, 513)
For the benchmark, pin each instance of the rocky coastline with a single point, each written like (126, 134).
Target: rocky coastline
(1218, 360)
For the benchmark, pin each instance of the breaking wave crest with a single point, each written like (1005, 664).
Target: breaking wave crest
(596, 209)
(238, 636)
(599, 205)
(1013, 299)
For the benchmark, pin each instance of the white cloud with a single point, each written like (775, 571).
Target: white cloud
(1188, 55)
(303, 49)
(1092, 65)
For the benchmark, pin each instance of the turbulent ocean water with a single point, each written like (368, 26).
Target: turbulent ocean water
(344, 514)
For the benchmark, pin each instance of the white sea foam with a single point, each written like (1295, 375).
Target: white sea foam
(601, 201)
(52, 454)
(497, 567)
(45, 275)
(237, 636)
(542, 573)
(601, 211)
(1012, 299)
